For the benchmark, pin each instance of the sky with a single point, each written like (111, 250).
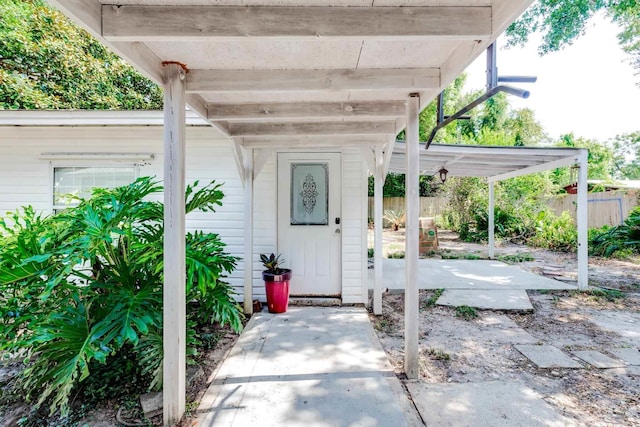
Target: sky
(588, 88)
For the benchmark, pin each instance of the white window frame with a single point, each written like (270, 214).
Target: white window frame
(84, 164)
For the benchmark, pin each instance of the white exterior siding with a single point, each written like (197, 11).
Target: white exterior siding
(26, 179)
(354, 192)
(264, 222)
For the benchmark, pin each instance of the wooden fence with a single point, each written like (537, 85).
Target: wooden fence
(429, 206)
(608, 208)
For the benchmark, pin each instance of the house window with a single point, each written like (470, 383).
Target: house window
(80, 181)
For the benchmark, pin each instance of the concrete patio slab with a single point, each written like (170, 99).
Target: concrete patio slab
(630, 356)
(490, 404)
(547, 356)
(599, 360)
(465, 274)
(624, 323)
(310, 366)
(490, 299)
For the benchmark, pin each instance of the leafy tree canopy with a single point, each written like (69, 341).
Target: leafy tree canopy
(626, 152)
(562, 21)
(47, 62)
(601, 158)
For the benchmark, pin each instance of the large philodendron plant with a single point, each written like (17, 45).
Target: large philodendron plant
(78, 287)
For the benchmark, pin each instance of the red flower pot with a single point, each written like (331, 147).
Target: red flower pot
(277, 288)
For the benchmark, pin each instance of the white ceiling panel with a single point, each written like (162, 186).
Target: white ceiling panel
(405, 53)
(261, 54)
(245, 98)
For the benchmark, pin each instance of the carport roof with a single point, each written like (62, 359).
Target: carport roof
(493, 162)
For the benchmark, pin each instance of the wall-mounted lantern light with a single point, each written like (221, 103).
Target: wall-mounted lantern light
(443, 174)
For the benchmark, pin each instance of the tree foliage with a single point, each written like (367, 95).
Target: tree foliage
(80, 287)
(626, 153)
(47, 62)
(562, 21)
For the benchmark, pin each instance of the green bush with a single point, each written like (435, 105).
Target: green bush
(83, 288)
(622, 240)
(557, 233)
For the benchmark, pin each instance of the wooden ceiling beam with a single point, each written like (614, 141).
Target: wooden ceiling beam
(171, 23)
(308, 110)
(306, 141)
(311, 128)
(207, 81)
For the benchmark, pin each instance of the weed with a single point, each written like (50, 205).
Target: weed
(437, 293)
(396, 255)
(438, 354)
(609, 294)
(381, 325)
(466, 312)
(209, 340)
(462, 255)
(519, 257)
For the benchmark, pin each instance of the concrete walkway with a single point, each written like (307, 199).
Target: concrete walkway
(311, 366)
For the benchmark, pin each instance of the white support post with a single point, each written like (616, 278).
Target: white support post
(174, 304)
(411, 362)
(492, 226)
(378, 173)
(248, 230)
(582, 220)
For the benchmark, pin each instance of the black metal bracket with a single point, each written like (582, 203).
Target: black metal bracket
(492, 89)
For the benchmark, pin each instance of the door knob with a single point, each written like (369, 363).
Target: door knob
(337, 231)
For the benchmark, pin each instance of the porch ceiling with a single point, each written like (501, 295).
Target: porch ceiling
(276, 69)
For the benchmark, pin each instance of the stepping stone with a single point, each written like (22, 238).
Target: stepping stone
(494, 299)
(547, 356)
(629, 355)
(490, 404)
(599, 360)
(151, 404)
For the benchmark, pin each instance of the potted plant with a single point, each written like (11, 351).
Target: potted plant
(276, 283)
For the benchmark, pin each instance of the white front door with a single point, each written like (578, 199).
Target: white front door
(309, 221)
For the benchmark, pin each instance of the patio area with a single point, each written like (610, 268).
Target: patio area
(466, 274)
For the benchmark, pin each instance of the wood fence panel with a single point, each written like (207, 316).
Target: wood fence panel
(607, 208)
(429, 206)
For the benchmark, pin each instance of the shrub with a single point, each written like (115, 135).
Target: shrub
(395, 218)
(622, 240)
(83, 288)
(557, 233)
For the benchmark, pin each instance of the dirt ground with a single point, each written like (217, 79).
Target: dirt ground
(454, 350)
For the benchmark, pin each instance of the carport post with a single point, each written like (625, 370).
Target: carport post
(492, 226)
(377, 223)
(248, 230)
(174, 310)
(583, 222)
(411, 363)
